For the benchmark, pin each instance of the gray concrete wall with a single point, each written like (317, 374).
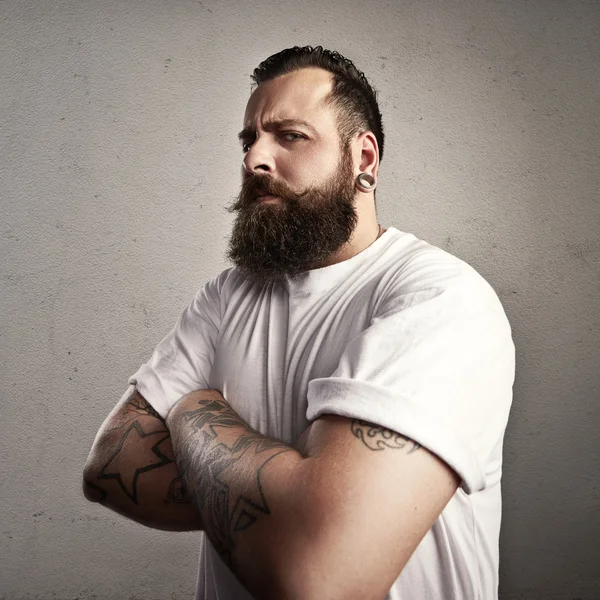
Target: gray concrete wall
(117, 155)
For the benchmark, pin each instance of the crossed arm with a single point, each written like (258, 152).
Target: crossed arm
(336, 517)
(131, 469)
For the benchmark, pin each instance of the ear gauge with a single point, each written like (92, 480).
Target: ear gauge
(366, 183)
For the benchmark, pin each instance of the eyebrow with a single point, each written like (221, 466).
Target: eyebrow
(248, 132)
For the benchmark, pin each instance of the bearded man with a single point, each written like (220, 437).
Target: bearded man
(330, 411)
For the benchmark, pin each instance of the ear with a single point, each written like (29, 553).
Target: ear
(366, 144)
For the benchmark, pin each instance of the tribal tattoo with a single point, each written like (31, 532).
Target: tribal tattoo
(216, 469)
(375, 437)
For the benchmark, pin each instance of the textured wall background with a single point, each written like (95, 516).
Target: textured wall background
(117, 155)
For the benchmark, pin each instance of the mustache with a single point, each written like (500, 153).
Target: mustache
(259, 185)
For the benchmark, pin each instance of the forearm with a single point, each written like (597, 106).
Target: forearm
(241, 482)
(131, 470)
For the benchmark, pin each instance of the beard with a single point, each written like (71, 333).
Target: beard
(274, 241)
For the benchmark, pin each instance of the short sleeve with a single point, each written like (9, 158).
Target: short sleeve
(182, 361)
(437, 367)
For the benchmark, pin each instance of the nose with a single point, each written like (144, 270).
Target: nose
(259, 159)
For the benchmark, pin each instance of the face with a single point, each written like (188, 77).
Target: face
(293, 157)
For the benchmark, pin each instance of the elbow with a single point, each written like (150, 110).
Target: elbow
(91, 490)
(88, 492)
(92, 486)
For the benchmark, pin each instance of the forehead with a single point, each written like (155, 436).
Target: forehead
(297, 95)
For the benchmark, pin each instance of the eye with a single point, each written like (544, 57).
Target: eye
(293, 137)
(246, 146)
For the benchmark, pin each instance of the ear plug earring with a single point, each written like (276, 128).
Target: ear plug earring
(366, 182)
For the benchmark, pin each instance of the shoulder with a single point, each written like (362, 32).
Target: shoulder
(220, 286)
(422, 270)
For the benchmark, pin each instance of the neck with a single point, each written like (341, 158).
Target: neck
(359, 241)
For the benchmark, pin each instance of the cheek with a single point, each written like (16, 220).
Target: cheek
(307, 170)
(297, 171)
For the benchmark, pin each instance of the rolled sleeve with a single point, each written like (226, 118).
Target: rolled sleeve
(438, 369)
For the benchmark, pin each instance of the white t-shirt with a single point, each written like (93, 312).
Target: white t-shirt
(404, 335)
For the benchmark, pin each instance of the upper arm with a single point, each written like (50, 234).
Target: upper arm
(372, 495)
(131, 407)
(183, 359)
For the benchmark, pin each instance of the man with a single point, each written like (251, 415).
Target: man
(330, 411)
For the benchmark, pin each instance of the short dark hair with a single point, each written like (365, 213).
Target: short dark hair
(352, 94)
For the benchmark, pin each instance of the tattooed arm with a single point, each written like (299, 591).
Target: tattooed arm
(131, 470)
(337, 520)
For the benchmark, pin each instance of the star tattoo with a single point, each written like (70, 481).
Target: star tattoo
(126, 474)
